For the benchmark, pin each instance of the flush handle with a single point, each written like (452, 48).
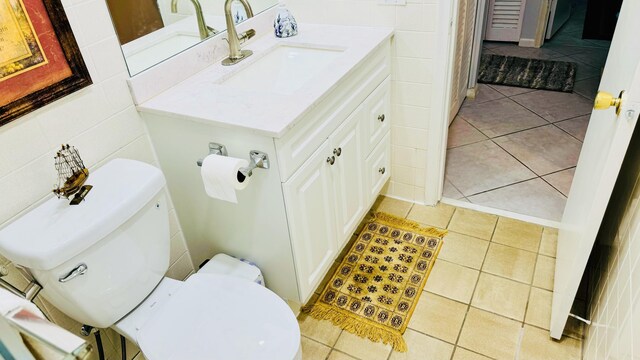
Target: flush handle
(79, 270)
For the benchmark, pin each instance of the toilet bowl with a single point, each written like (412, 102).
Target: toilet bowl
(103, 264)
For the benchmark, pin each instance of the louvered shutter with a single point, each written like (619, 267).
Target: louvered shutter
(504, 20)
(462, 55)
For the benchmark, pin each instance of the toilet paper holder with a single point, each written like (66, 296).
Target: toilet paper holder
(257, 159)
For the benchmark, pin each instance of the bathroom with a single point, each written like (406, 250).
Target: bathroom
(485, 278)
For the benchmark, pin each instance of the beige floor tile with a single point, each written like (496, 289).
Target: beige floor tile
(437, 216)
(312, 350)
(544, 150)
(392, 206)
(545, 272)
(463, 250)
(464, 354)
(438, 316)
(500, 117)
(501, 296)
(450, 191)
(483, 166)
(423, 347)
(532, 197)
(319, 330)
(509, 262)
(555, 106)
(539, 308)
(452, 281)
(549, 242)
(518, 234)
(361, 348)
(537, 345)
(577, 127)
(462, 133)
(489, 334)
(473, 223)
(561, 180)
(337, 355)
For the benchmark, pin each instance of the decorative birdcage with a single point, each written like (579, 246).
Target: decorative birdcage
(72, 175)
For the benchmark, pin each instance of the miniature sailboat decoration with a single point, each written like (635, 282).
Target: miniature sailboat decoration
(72, 175)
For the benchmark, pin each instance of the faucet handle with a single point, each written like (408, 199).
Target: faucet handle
(246, 35)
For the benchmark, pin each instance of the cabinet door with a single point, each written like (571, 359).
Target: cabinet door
(348, 175)
(377, 168)
(310, 207)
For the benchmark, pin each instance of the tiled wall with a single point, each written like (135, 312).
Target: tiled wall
(615, 268)
(100, 121)
(414, 51)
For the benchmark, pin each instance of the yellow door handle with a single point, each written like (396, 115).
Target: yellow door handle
(605, 100)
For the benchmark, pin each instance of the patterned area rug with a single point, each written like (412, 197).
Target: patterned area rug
(527, 73)
(376, 287)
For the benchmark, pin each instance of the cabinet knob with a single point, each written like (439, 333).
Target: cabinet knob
(381, 117)
(382, 170)
(337, 151)
(331, 160)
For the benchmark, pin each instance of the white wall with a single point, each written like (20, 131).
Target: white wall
(615, 265)
(100, 121)
(414, 53)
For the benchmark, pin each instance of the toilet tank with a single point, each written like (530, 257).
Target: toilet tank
(119, 233)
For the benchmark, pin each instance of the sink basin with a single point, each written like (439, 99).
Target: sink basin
(283, 70)
(157, 51)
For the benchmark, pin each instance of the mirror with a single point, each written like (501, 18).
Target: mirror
(151, 31)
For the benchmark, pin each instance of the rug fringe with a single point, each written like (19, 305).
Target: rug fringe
(356, 325)
(399, 222)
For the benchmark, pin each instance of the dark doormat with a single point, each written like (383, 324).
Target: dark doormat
(527, 73)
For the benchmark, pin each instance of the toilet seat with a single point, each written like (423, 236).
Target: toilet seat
(221, 317)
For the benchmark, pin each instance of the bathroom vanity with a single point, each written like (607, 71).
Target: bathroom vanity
(319, 105)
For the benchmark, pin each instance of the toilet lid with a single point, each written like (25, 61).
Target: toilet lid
(221, 317)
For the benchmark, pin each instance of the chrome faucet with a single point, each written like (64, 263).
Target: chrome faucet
(205, 31)
(235, 53)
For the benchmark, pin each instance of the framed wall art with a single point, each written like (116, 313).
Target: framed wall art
(40, 61)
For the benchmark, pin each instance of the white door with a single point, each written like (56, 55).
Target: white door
(348, 175)
(309, 201)
(504, 20)
(604, 148)
(559, 14)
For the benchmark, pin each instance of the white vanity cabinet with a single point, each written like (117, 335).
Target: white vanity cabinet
(329, 155)
(332, 191)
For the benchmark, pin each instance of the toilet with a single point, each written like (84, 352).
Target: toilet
(103, 263)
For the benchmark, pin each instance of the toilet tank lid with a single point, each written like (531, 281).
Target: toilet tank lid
(55, 231)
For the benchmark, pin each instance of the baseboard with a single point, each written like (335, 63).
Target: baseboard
(499, 212)
(527, 43)
(472, 92)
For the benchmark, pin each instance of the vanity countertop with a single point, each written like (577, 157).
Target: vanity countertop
(202, 97)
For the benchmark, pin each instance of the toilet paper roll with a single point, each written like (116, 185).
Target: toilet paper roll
(221, 177)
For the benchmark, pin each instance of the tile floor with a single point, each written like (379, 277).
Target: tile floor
(488, 296)
(516, 149)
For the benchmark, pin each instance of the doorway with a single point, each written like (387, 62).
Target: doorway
(516, 149)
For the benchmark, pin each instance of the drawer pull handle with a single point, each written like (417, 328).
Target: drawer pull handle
(331, 160)
(382, 170)
(337, 151)
(381, 118)
(79, 270)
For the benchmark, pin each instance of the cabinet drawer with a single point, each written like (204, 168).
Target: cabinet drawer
(295, 147)
(378, 167)
(377, 120)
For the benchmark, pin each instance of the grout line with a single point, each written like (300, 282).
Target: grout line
(475, 286)
(556, 189)
(501, 187)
